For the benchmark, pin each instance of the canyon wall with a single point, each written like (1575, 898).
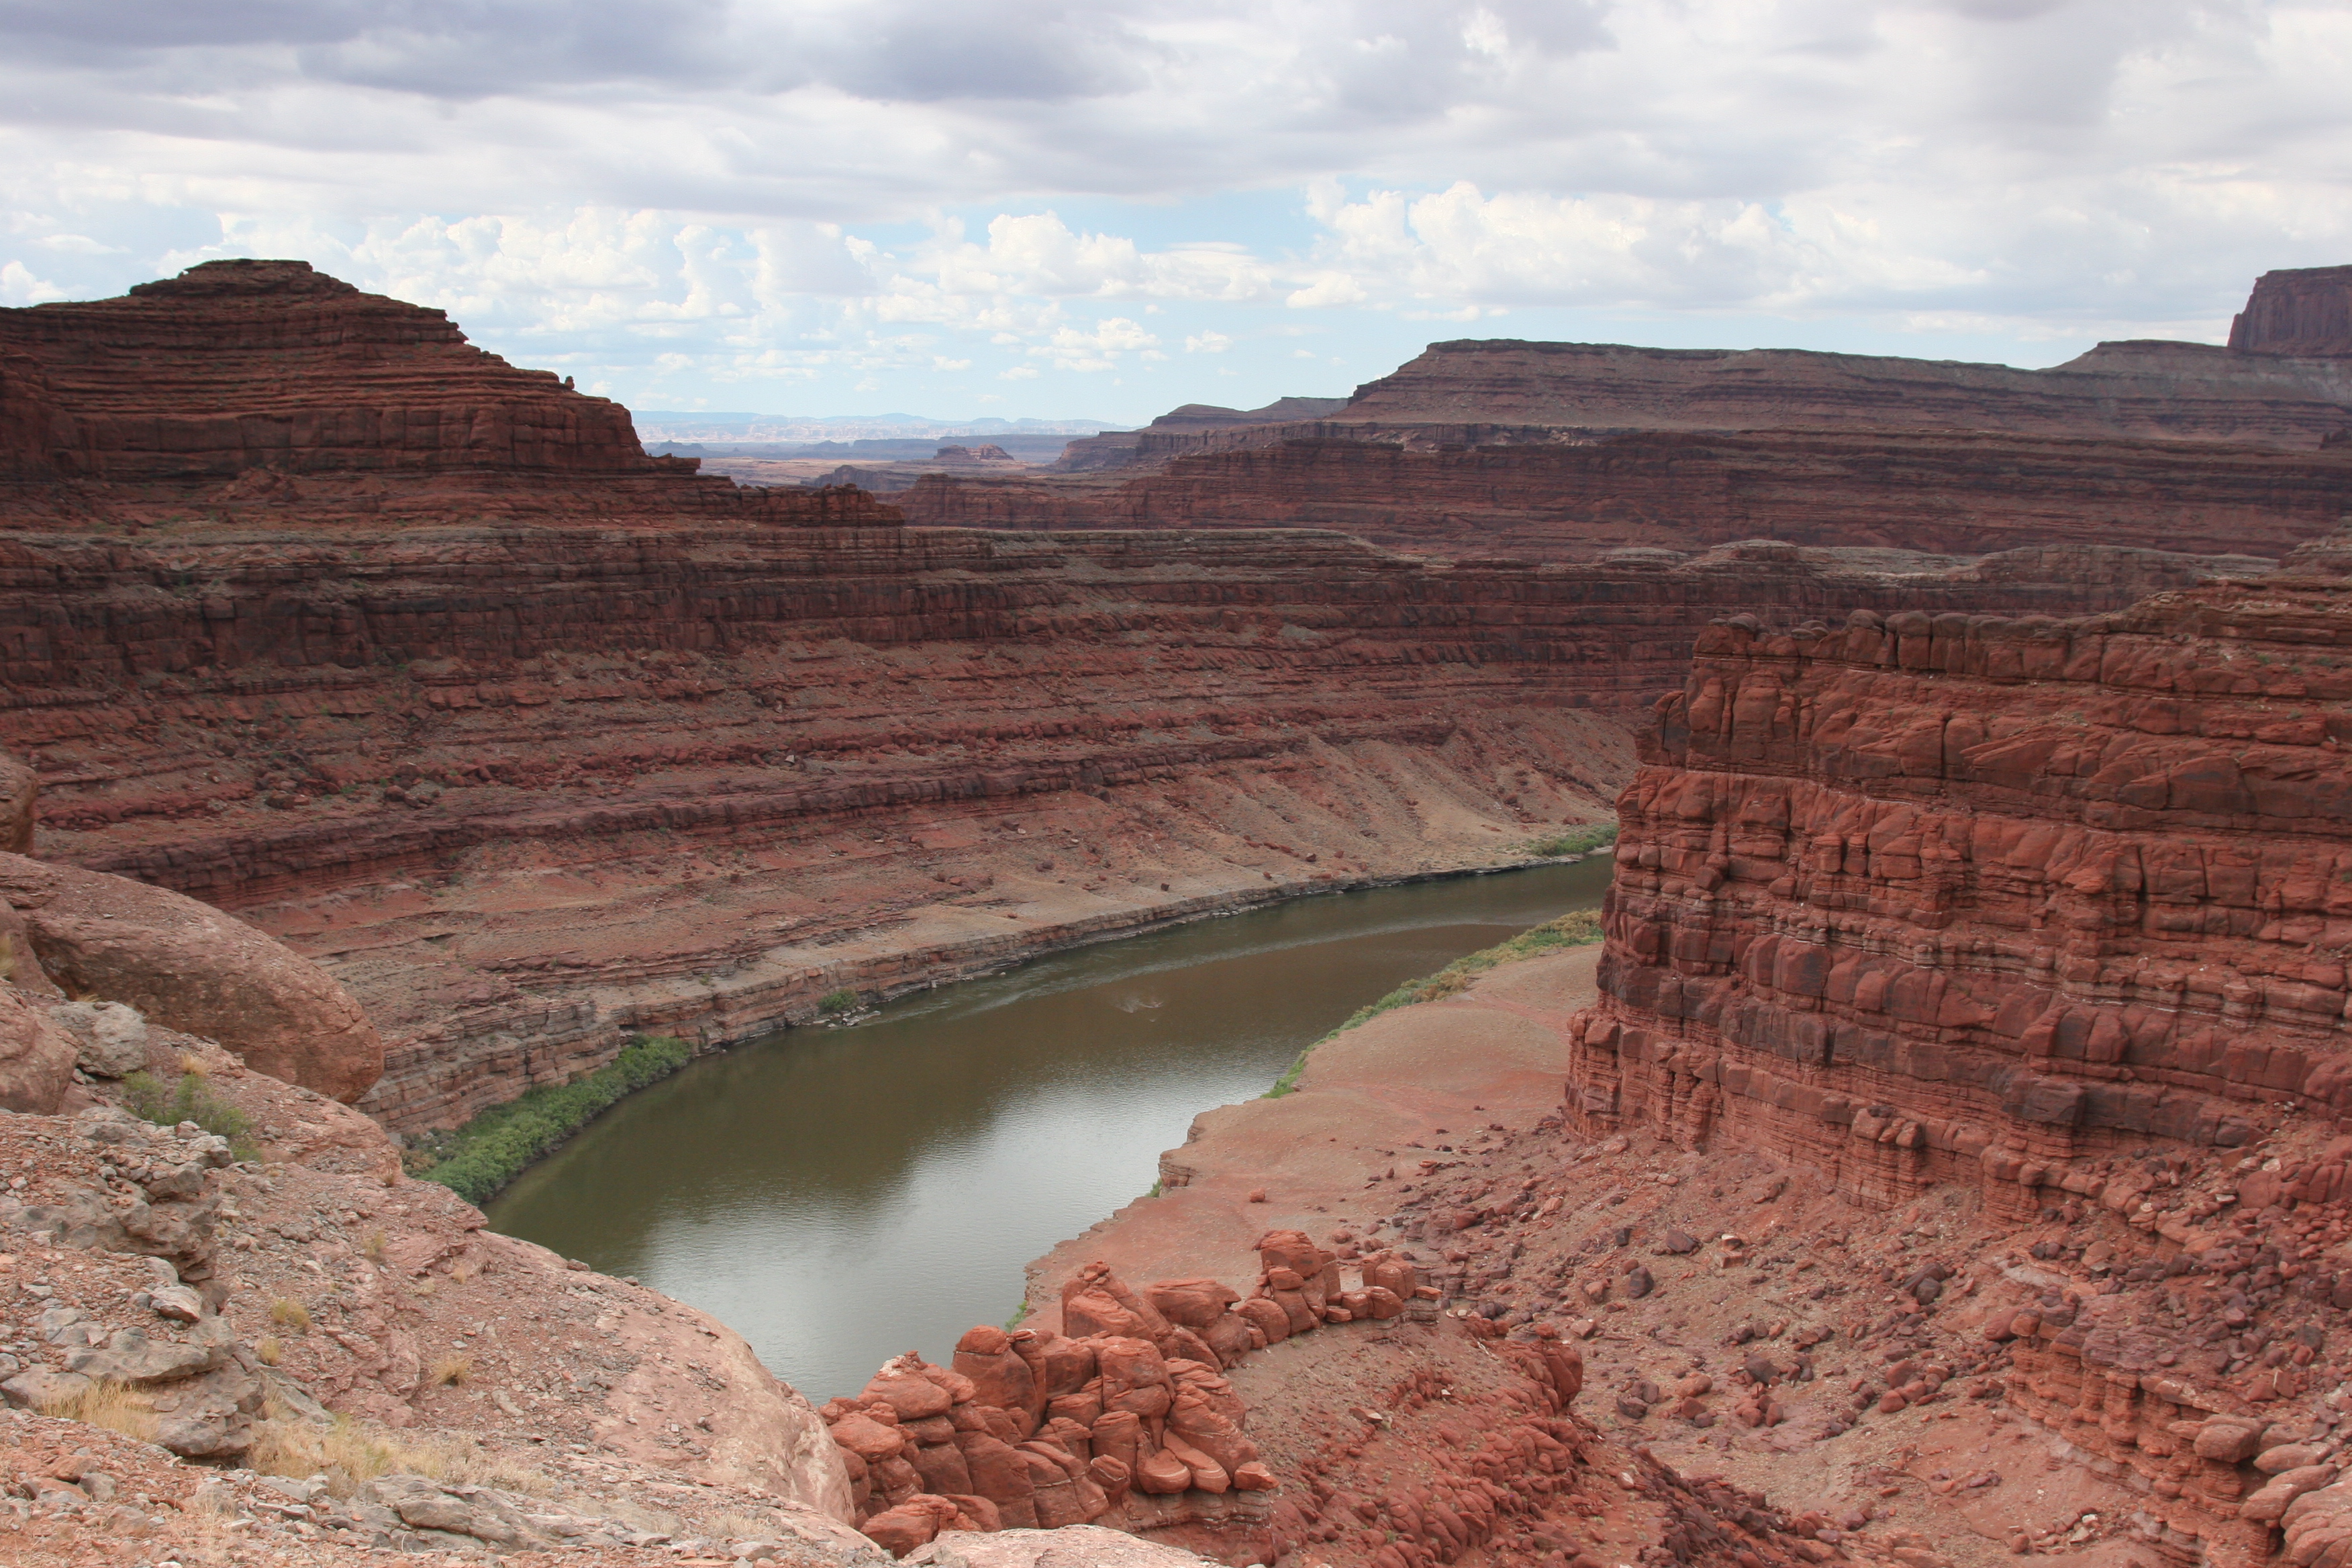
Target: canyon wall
(1571, 497)
(2301, 311)
(1928, 898)
(2148, 389)
(526, 789)
(1556, 451)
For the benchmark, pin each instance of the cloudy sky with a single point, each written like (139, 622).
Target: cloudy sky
(1026, 207)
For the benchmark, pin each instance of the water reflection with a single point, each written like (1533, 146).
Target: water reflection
(840, 1195)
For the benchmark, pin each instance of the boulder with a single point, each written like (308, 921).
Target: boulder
(2229, 1439)
(1191, 1303)
(914, 1522)
(904, 1390)
(867, 1438)
(1204, 1427)
(36, 1058)
(1268, 1317)
(190, 967)
(2269, 1503)
(423, 1504)
(1162, 1475)
(1000, 1376)
(38, 1390)
(942, 1468)
(110, 1037)
(1118, 1436)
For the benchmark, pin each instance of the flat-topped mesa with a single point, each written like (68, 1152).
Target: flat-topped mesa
(2304, 311)
(1960, 898)
(2143, 391)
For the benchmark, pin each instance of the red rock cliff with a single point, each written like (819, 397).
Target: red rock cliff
(474, 768)
(2307, 311)
(1963, 898)
(240, 365)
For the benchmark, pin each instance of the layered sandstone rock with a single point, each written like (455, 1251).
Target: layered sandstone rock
(1925, 898)
(1560, 450)
(256, 387)
(473, 769)
(1123, 1417)
(244, 364)
(2303, 310)
(1568, 495)
(2148, 390)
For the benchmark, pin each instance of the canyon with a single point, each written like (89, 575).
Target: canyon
(1959, 1073)
(1559, 451)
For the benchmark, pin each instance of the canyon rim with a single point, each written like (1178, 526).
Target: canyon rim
(1940, 1155)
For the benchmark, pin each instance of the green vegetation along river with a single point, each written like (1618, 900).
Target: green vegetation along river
(842, 1195)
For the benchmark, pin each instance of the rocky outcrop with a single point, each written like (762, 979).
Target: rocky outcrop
(1922, 899)
(191, 968)
(1124, 1418)
(2303, 310)
(36, 1058)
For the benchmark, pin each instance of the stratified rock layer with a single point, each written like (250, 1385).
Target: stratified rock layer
(1562, 450)
(1963, 898)
(242, 364)
(526, 789)
(1572, 494)
(2304, 311)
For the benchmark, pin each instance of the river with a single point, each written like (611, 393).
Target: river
(841, 1194)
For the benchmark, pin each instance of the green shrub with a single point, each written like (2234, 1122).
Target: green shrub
(494, 1148)
(834, 1001)
(1581, 842)
(1574, 929)
(192, 1099)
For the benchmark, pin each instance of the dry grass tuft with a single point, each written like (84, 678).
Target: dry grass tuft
(350, 1455)
(288, 1314)
(453, 1371)
(270, 1352)
(113, 1405)
(464, 1268)
(374, 1248)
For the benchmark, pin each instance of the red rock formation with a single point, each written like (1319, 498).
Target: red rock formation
(835, 735)
(1573, 495)
(190, 967)
(2144, 390)
(1935, 896)
(1126, 1419)
(2303, 310)
(1556, 450)
(265, 385)
(241, 364)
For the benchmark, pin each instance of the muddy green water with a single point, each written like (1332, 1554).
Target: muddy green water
(841, 1194)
